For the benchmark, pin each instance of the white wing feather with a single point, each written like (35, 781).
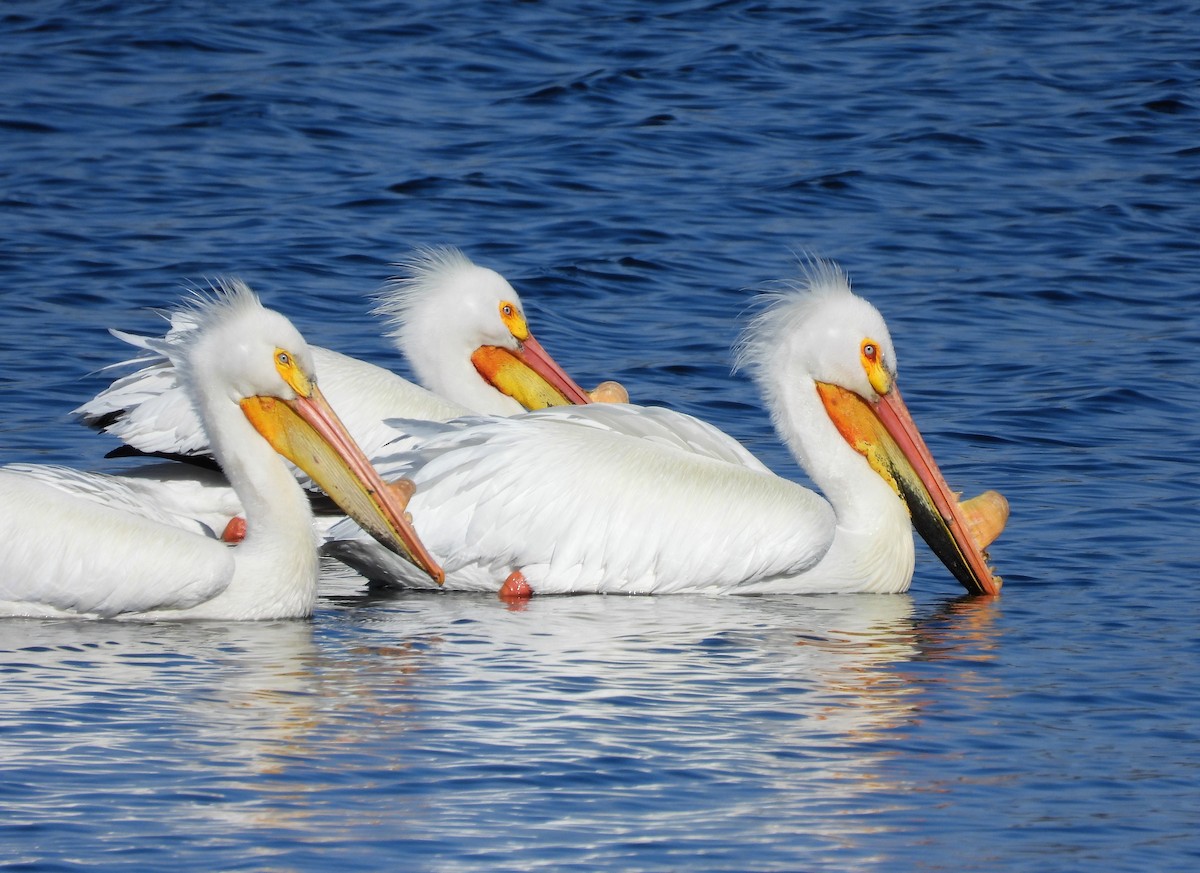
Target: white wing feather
(595, 498)
(651, 424)
(190, 498)
(149, 410)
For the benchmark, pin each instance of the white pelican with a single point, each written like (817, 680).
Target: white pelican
(461, 327)
(81, 546)
(626, 499)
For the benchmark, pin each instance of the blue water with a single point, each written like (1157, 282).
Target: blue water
(1015, 185)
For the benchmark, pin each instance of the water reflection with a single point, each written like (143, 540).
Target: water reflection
(235, 688)
(810, 699)
(469, 716)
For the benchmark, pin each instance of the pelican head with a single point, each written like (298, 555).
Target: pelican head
(464, 332)
(242, 355)
(235, 342)
(820, 337)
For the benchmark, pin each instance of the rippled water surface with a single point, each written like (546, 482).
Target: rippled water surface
(1015, 185)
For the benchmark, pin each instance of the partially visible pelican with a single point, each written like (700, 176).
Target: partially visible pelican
(626, 499)
(82, 546)
(461, 327)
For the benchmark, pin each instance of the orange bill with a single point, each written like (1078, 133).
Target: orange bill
(528, 375)
(886, 435)
(309, 433)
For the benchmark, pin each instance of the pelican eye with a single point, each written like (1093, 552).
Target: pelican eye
(876, 370)
(513, 320)
(292, 372)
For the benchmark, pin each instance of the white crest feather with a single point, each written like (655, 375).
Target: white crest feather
(425, 270)
(783, 309)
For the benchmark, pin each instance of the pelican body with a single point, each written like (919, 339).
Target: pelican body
(82, 545)
(635, 500)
